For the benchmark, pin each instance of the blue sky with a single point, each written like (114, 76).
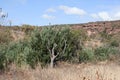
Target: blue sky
(43, 12)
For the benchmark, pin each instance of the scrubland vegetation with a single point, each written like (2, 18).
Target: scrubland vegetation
(42, 50)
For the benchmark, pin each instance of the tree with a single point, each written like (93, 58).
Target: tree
(53, 43)
(56, 42)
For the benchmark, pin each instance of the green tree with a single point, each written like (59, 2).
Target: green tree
(53, 43)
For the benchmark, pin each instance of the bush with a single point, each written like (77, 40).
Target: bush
(113, 50)
(86, 55)
(35, 50)
(105, 36)
(101, 53)
(42, 43)
(16, 52)
(114, 43)
(2, 57)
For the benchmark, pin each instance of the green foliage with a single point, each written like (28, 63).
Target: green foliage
(105, 36)
(39, 53)
(80, 34)
(114, 43)
(86, 55)
(47, 38)
(2, 57)
(17, 53)
(34, 50)
(113, 51)
(101, 53)
(79, 37)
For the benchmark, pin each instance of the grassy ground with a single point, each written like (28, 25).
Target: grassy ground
(100, 71)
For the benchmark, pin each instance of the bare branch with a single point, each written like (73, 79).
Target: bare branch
(49, 49)
(65, 46)
(50, 52)
(53, 49)
(57, 54)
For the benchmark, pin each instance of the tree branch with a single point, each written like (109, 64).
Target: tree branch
(53, 49)
(50, 52)
(65, 46)
(57, 54)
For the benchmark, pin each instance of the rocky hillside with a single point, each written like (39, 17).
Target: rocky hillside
(93, 27)
(111, 27)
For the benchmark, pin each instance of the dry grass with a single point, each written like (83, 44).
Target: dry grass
(100, 71)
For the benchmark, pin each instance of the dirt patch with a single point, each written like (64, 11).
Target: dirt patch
(17, 35)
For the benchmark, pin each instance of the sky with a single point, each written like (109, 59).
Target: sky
(43, 12)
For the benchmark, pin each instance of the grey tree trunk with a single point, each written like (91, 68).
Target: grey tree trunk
(52, 62)
(52, 54)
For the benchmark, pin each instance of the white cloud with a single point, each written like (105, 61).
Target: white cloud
(72, 10)
(95, 16)
(101, 15)
(51, 10)
(117, 16)
(104, 16)
(46, 16)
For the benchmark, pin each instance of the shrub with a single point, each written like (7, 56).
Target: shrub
(105, 36)
(86, 55)
(49, 42)
(101, 53)
(16, 53)
(2, 57)
(40, 47)
(114, 43)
